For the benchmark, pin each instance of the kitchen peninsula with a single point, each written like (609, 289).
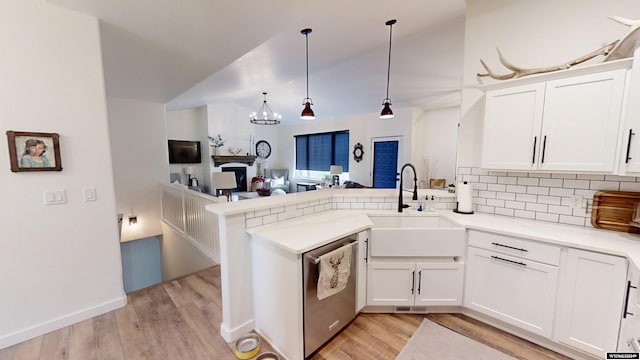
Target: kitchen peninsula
(347, 209)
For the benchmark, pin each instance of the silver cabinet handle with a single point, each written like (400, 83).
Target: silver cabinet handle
(635, 345)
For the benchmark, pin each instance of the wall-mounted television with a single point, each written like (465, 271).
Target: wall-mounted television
(184, 152)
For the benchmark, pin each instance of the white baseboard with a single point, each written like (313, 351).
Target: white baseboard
(58, 323)
(230, 335)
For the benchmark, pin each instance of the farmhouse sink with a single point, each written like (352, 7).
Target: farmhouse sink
(416, 236)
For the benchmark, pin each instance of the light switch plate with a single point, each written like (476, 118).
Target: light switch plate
(89, 194)
(55, 197)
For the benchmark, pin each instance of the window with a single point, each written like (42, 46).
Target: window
(317, 152)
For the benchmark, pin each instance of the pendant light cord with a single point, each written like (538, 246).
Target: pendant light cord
(390, 23)
(306, 36)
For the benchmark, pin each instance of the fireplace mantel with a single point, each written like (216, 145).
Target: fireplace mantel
(225, 159)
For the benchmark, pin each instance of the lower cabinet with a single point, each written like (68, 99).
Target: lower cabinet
(517, 291)
(408, 283)
(591, 299)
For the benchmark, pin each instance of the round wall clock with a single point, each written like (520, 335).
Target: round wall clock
(263, 149)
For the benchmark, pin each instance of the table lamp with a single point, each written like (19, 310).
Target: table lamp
(224, 182)
(336, 171)
(188, 171)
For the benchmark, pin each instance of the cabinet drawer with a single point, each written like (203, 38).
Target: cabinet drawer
(526, 249)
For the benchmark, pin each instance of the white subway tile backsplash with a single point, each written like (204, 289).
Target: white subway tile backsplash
(307, 211)
(627, 186)
(277, 210)
(561, 191)
(487, 194)
(385, 206)
(528, 181)
(505, 196)
(538, 190)
(269, 219)
(343, 206)
(507, 180)
(471, 178)
(536, 207)
(564, 210)
(525, 214)
(364, 199)
(488, 179)
(516, 188)
(497, 187)
(256, 221)
(478, 171)
(563, 176)
(551, 182)
(540, 175)
(576, 184)
(357, 205)
(495, 202)
(542, 196)
(547, 217)
(371, 206)
(554, 200)
(486, 209)
(503, 211)
(572, 220)
(620, 178)
(527, 197)
(514, 205)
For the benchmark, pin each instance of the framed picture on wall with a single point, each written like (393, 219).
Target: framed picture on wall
(34, 151)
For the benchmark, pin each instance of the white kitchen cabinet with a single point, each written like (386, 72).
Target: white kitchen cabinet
(517, 291)
(630, 324)
(590, 301)
(361, 268)
(512, 122)
(421, 284)
(630, 154)
(564, 124)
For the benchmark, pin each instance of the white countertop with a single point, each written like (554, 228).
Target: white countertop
(308, 232)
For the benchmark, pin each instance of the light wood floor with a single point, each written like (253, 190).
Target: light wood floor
(180, 319)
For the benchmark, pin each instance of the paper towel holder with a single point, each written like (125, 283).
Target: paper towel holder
(462, 212)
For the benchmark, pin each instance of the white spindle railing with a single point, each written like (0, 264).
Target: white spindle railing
(184, 210)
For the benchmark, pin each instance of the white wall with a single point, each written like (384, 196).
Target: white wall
(190, 124)
(61, 263)
(140, 163)
(530, 33)
(435, 134)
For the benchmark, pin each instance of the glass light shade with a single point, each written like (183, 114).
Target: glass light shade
(386, 112)
(307, 112)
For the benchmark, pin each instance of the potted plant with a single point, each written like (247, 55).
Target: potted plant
(216, 142)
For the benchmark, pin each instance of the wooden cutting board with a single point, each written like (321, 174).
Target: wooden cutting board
(614, 210)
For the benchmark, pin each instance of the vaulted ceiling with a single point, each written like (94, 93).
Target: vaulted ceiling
(193, 52)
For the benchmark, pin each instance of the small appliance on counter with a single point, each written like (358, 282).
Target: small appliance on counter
(464, 195)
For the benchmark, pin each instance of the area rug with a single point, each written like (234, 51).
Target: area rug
(433, 341)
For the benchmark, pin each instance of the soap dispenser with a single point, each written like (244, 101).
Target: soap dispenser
(432, 204)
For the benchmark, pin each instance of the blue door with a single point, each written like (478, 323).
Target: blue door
(385, 164)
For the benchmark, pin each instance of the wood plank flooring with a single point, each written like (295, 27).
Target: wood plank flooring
(180, 319)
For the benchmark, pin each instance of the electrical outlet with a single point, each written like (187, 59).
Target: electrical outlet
(575, 201)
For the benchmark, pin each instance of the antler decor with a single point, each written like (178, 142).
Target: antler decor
(618, 49)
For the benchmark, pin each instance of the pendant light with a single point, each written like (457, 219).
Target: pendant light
(386, 110)
(307, 112)
(265, 116)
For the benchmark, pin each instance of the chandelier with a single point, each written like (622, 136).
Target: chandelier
(265, 116)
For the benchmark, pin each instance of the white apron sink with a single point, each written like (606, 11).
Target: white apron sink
(416, 236)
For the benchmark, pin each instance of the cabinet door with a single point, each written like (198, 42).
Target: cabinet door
(630, 157)
(439, 283)
(582, 117)
(361, 268)
(590, 301)
(511, 289)
(390, 283)
(511, 134)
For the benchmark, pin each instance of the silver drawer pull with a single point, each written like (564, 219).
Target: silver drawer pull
(635, 345)
(509, 261)
(509, 247)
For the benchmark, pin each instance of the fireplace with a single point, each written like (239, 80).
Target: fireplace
(241, 177)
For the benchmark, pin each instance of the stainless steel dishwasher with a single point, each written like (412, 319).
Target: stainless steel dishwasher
(325, 318)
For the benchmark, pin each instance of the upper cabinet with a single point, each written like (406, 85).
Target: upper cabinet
(563, 121)
(630, 154)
